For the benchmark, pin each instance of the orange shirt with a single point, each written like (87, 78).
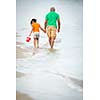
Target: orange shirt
(36, 27)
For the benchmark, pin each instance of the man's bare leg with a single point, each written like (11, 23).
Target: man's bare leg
(52, 42)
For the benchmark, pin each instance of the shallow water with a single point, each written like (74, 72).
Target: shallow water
(51, 74)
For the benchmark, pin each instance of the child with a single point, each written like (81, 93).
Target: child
(35, 30)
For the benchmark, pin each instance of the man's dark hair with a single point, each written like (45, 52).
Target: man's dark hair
(52, 9)
(33, 20)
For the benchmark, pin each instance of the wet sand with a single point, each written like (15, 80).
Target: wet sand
(20, 52)
(78, 82)
(21, 96)
(18, 35)
(19, 74)
(19, 43)
(35, 78)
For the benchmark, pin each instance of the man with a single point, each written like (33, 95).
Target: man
(50, 25)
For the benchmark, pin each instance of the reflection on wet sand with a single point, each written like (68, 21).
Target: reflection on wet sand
(44, 51)
(53, 50)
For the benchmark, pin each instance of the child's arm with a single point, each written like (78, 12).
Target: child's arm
(30, 33)
(42, 29)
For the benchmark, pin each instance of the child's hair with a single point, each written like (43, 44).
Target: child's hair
(33, 20)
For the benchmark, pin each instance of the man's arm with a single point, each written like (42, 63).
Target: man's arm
(59, 25)
(42, 29)
(45, 24)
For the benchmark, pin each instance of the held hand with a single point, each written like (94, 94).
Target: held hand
(58, 30)
(44, 31)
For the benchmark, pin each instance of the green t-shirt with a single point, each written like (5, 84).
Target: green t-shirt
(51, 18)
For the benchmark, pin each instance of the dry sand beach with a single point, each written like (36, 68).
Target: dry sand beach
(45, 74)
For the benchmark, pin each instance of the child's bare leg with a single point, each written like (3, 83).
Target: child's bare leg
(37, 42)
(34, 43)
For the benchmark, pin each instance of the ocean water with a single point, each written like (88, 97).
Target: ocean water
(51, 74)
